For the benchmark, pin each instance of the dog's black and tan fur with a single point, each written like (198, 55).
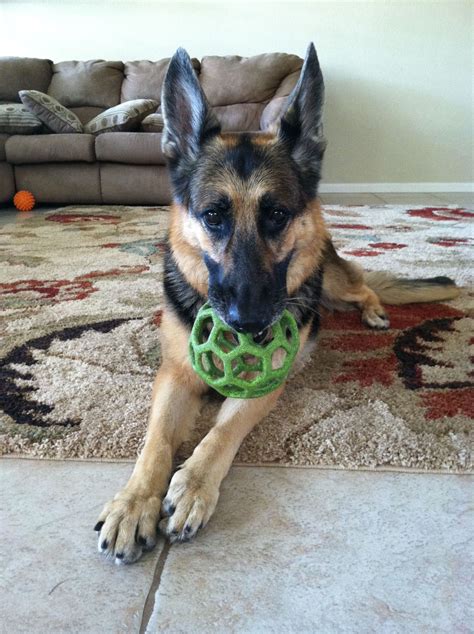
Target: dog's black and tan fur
(246, 233)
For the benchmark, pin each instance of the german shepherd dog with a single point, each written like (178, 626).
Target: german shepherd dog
(247, 235)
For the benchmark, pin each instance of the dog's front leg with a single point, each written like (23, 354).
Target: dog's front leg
(194, 489)
(128, 523)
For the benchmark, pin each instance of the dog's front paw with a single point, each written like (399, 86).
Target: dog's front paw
(188, 505)
(376, 318)
(127, 526)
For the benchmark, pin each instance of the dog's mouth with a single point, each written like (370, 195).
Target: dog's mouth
(260, 336)
(264, 336)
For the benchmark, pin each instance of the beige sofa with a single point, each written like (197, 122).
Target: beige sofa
(125, 167)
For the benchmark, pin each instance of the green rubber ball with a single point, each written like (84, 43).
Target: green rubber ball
(233, 363)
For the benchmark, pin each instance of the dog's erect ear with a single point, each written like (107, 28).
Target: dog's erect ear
(301, 124)
(188, 120)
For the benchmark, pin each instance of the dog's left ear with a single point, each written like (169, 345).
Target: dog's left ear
(188, 120)
(301, 127)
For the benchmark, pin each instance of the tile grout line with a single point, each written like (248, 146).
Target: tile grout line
(379, 198)
(149, 604)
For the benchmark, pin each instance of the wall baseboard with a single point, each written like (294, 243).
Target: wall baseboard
(423, 188)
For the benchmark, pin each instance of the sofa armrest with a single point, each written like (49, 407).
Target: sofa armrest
(7, 183)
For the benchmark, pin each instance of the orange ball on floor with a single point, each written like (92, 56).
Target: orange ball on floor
(24, 201)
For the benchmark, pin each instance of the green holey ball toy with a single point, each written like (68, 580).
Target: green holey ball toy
(233, 363)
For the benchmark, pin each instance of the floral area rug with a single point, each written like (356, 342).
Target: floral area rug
(80, 301)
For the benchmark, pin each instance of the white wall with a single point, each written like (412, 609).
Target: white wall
(398, 73)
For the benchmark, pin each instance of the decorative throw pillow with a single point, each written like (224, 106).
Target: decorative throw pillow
(122, 118)
(55, 116)
(153, 123)
(15, 118)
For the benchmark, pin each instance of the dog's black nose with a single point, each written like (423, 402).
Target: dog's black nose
(244, 320)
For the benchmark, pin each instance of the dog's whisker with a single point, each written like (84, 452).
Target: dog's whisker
(300, 304)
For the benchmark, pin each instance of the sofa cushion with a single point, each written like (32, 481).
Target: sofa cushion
(61, 182)
(23, 73)
(152, 123)
(86, 113)
(122, 118)
(234, 79)
(15, 118)
(135, 184)
(50, 148)
(48, 110)
(130, 147)
(144, 79)
(92, 83)
(3, 140)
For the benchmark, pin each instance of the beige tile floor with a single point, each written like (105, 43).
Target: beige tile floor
(306, 550)
(453, 198)
(52, 577)
(289, 550)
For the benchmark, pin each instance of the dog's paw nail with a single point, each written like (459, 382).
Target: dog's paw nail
(119, 555)
(142, 540)
(104, 545)
(188, 529)
(98, 526)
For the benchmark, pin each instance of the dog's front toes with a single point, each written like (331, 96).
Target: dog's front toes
(127, 527)
(376, 319)
(188, 506)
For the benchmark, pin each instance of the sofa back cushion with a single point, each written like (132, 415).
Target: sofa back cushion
(246, 93)
(249, 81)
(86, 113)
(144, 79)
(92, 83)
(23, 73)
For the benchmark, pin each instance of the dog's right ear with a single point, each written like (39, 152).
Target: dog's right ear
(188, 120)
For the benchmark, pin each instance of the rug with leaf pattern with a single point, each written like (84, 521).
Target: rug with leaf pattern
(81, 299)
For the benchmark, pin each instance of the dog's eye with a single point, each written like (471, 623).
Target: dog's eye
(212, 218)
(278, 217)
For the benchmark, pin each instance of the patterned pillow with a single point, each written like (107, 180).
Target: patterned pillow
(55, 116)
(152, 123)
(122, 118)
(15, 118)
